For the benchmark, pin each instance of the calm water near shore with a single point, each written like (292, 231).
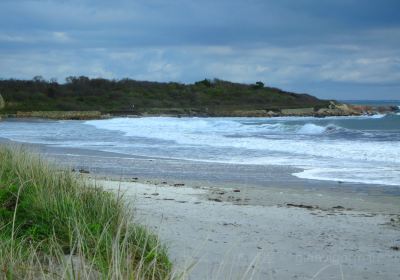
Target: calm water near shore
(354, 150)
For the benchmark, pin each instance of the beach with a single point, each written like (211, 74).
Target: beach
(225, 233)
(233, 206)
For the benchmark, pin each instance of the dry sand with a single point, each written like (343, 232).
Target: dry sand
(254, 233)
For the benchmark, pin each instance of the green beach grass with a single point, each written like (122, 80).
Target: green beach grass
(55, 225)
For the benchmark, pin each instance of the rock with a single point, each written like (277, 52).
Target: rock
(272, 114)
(301, 206)
(215, 199)
(83, 171)
(338, 109)
(298, 112)
(339, 207)
(61, 115)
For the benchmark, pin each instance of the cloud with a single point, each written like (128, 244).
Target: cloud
(381, 70)
(61, 37)
(309, 45)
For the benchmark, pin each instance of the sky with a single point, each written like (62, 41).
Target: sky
(341, 49)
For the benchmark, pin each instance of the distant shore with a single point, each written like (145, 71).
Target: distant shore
(334, 109)
(87, 98)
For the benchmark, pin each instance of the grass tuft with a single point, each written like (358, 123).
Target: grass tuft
(55, 225)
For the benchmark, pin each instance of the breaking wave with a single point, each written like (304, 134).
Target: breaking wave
(363, 149)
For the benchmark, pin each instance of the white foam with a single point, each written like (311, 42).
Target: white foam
(377, 116)
(323, 159)
(310, 128)
(214, 132)
(380, 176)
(301, 142)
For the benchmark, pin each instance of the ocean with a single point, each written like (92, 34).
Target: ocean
(363, 149)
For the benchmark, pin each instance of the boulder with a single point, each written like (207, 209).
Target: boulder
(272, 114)
(339, 109)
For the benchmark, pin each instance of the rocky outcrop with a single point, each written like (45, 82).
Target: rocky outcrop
(61, 115)
(338, 109)
(298, 112)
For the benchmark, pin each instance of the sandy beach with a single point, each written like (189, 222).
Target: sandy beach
(253, 233)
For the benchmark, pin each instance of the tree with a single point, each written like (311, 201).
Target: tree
(51, 92)
(205, 82)
(2, 102)
(259, 84)
(38, 79)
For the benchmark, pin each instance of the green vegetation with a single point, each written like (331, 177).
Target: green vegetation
(123, 96)
(2, 103)
(54, 225)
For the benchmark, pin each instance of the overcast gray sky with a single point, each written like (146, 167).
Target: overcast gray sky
(343, 49)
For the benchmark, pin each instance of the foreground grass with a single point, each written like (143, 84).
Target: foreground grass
(54, 225)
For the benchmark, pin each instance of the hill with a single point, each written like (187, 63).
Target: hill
(209, 97)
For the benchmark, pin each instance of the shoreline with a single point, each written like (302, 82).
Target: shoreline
(172, 115)
(333, 110)
(152, 169)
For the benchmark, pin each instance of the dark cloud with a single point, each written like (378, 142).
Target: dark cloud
(312, 46)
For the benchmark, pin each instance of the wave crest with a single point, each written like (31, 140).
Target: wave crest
(310, 128)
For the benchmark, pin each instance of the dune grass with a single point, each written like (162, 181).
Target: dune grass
(55, 225)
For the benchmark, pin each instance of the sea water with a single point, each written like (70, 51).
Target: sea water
(363, 149)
